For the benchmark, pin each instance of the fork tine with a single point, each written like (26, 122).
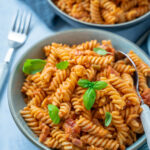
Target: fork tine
(18, 22)
(22, 22)
(14, 21)
(27, 23)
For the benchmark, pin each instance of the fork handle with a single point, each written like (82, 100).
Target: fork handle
(4, 66)
(145, 118)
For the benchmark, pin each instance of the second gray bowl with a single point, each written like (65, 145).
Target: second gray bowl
(112, 27)
(15, 97)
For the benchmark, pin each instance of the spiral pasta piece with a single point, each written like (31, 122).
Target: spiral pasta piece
(36, 80)
(94, 148)
(38, 97)
(100, 142)
(102, 101)
(78, 11)
(86, 114)
(65, 90)
(86, 5)
(79, 91)
(86, 19)
(52, 60)
(109, 17)
(89, 45)
(120, 14)
(60, 76)
(47, 73)
(114, 95)
(31, 121)
(103, 73)
(131, 115)
(87, 126)
(141, 66)
(122, 68)
(108, 5)
(128, 78)
(131, 110)
(123, 87)
(142, 82)
(45, 133)
(90, 74)
(107, 108)
(47, 50)
(126, 5)
(60, 136)
(136, 12)
(64, 110)
(95, 12)
(52, 143)
(28, 89)
(77, 103)
(143, 2)
(63, 52)
(34, 94)
(118, 121)
(122, 128)
(139, 129)
(41, 115)
(102, 61)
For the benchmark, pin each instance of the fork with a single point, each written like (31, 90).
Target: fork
(145, 115)
(16, 38)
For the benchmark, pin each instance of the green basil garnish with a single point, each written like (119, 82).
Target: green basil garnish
(100, 51)
(90, 94)
(85, 83)
(99, 85)
(108, 118)
(53, 113)
(62, 65)
(89, 98)
(32, 66)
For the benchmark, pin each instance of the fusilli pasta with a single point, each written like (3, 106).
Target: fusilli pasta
(79, 127)
(104, 11)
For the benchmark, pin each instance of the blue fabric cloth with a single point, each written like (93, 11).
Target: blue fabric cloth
(44, 23)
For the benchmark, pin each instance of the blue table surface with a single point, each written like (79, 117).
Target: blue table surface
(11, 137)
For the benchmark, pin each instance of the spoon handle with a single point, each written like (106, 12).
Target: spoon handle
(145, 118)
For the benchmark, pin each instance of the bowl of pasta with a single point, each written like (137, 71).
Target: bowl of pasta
(106, 14)
(72, 91)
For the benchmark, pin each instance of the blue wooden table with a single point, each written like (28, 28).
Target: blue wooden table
(11, 137)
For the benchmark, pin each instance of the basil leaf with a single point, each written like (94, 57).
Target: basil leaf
(85, 83)
(108, 118)
(89, 98)
(53, 113)
(100, 51)
(62, 65)
(32, 66)
(99, 85)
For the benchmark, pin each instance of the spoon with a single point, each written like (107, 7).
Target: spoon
(145, 115)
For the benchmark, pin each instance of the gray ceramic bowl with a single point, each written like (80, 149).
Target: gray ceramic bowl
(15, 97)
(77, 23)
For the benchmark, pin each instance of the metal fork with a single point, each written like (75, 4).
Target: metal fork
(16, 38)
(145, 115)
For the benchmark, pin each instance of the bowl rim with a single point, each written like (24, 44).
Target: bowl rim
(11, 107)
(128, 23)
